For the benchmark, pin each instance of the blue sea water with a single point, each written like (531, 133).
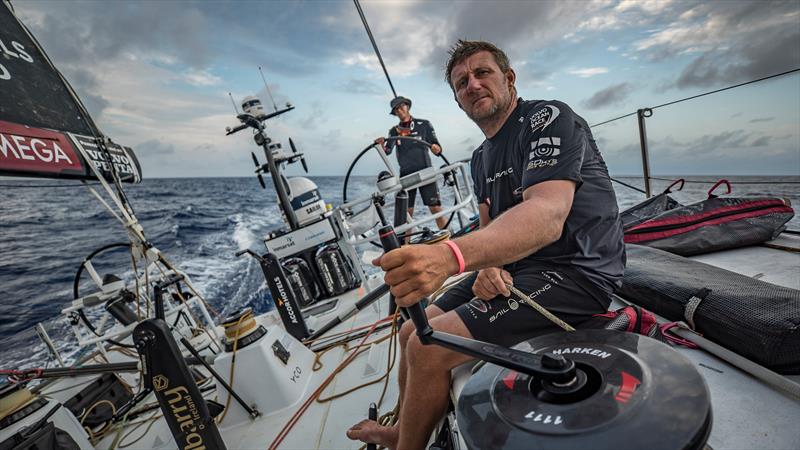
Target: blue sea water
(48, 227)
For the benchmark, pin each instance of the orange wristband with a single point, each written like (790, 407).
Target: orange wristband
(457, 253)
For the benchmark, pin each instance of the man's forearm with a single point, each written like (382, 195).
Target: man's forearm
(519, 232)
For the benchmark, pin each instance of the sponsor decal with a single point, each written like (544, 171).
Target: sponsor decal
(549, 274)
(543, 117)
(289, 244)
(14, 50)
(116, 155)
(187, 415)
(513, 304)
(478, 305)
(160, 382)
(498, 314)
(583, 351)
(545, 147)
(501, 174)
(539, 163)
(540, 291)
(283, 301)
(34, 149)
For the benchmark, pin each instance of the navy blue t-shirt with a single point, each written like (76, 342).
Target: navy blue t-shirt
(546, 140)
(412, 156)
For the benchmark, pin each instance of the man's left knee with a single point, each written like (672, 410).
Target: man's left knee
(406, 330)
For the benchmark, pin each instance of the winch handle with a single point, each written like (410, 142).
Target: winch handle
(390, 241)
(547, 366)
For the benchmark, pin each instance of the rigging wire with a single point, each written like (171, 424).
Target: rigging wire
(46, 185)
(374, 45)
(628, 185)
(700, 95)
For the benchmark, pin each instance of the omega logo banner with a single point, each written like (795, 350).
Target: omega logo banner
(38, 152)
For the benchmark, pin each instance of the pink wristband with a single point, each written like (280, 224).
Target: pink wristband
(457, 253)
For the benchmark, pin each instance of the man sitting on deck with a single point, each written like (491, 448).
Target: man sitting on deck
(549, 225)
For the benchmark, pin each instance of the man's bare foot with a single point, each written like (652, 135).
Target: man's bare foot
(372, 432)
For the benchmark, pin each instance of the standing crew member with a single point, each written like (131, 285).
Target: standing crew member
(549, 224)
(413, 156)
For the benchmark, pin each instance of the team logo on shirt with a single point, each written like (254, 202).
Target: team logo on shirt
(544, 117)
(545, 147)
(539, 163)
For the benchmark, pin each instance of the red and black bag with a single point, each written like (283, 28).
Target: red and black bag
(651, 207)
(714, 224)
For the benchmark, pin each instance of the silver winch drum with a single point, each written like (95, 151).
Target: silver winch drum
(636, 393)
(307, 204)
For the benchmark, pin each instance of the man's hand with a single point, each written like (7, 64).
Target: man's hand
(436, 149)
(414, 271)
(380, 141)
(491, 282)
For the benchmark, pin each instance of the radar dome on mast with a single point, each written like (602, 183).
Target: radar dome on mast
(252, 105)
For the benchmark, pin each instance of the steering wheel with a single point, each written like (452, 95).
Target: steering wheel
(87, 262)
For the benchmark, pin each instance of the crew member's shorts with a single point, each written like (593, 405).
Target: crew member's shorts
(429, 194)
(507, 321)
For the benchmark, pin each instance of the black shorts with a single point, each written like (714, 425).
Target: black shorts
(507, 321)
(429, 194)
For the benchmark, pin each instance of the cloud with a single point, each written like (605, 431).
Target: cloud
(315, 118)
(355, 86)
(154, 147)
(588, 71)
(761, 119)
(727, 42)
(201, 78)
(611, 95)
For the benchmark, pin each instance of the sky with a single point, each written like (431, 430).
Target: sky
(156, 76)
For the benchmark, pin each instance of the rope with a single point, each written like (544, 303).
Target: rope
(299, 413)
(233, 364)
(385, 376)
(527, 300)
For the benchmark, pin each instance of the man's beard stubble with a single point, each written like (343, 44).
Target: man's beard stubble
(495, 112)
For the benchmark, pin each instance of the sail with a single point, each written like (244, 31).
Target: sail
(44, 130)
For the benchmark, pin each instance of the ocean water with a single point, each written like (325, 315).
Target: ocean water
(49, 227)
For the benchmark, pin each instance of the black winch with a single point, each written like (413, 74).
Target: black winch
(631, 392)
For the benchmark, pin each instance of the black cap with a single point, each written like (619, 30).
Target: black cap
(397, 101)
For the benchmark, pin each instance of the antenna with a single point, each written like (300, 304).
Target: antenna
(267, 86)
(234, 104)
(374, 45)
